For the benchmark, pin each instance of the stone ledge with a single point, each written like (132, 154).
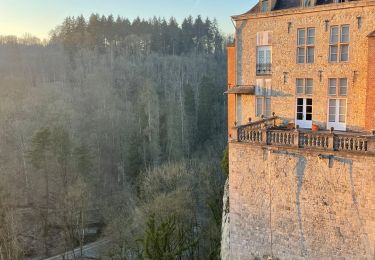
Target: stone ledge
(309, 151)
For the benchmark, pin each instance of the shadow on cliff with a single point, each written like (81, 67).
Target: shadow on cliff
(349, 164)
(300, 172)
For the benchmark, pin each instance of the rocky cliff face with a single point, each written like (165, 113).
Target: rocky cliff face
(225, 224)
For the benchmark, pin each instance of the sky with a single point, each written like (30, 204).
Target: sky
(38, 17)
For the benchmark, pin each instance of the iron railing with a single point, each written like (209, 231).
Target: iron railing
(264, 68)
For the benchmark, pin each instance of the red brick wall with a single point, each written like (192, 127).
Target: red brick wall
(370, 104)
(231, 83)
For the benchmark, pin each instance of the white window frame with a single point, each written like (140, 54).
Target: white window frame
(304, 87)
(338, 87)
(257, 112)
(338, 97)
(266, 52)
(265, 110)
(238, 109)
(306, 45)
(337, 124)
(339, 43)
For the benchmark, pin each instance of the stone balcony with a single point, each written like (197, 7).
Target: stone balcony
(266, 132)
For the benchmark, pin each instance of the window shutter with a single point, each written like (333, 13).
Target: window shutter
(259, 87)
(259, 38)
(264, 38)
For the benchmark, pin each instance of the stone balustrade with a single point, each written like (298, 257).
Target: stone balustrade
(305, 139)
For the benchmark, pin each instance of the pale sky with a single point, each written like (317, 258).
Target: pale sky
(38, 17)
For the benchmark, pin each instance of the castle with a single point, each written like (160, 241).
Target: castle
(301, 120)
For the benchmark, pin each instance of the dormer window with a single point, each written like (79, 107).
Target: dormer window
(264, 6)
(306, 3)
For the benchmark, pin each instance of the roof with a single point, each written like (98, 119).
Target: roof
(253, 10)
(249, 90)
(323, 2)
(286, 4)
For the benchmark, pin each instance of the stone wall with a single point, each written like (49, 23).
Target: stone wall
(231, 61)
(284, 25)
(300, 204)
(225, 225)
(370, 110)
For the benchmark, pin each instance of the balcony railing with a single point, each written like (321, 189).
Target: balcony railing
(264, 68)
(303, 139)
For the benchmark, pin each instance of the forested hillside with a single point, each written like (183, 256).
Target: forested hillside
(119, 121)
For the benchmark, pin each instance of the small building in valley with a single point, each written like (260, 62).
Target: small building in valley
(301, 126)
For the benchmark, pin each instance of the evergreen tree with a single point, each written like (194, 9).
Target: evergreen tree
(206, 107)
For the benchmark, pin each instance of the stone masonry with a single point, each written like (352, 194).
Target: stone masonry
(300, 204)
(283, 26)
(370, 110)
(301, 199)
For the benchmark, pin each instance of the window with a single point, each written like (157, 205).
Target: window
(306, 3)
(263, 87)
(343, 88)
(342, 110)
(310, 55)
(264, 58)
(300, 86)
(300, 55)
(337, 103)
(304, 87)
(333, 53)
(338, 87)
(239, 109)
(311, 36)
(264, 53)
(263, 91)
(301, 36)
(332, 110)
(332, 87)
(337, 110)
(344, 53)
(337, 113)
(263, 107)
(267, 107)
(259, 107)
(305, 45)
(309, 87)
(339, 44)
(264, 7)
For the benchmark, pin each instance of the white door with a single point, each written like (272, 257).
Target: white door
(337, 114)
(304, 112)
(239, 109)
